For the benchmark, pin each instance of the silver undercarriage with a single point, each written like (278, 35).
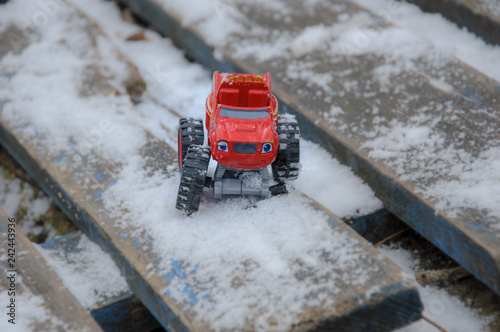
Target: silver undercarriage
(228, 181)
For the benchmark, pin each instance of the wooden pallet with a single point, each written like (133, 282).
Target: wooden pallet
(382, 301)
(41, 301)
(469, 237)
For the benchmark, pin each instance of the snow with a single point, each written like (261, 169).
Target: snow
(445, 36)
(251, 180)
(396, 139)
(416, 147)
(270, 237)
(310, 39)
(185, 97)
(221, 12)
(259, 248)
(30, 309)
(410, 45)
(489, 6)
(441, 85)
(415, 34)
(339, 190)
(236, 258)
(16, 195)
(88, 272)
(467, 179)
(446, 310)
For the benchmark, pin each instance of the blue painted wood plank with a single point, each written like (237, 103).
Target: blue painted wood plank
(469, 237)
(122, 312)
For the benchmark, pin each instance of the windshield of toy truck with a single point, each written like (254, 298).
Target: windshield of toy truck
(250, 114)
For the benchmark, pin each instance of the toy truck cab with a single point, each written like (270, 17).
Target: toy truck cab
(245, 136)
(241, 120)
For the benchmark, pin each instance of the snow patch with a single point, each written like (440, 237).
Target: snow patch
(88, 272)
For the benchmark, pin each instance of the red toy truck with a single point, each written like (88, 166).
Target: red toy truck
(245, 136)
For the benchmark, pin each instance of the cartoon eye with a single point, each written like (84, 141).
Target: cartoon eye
(267, 147)
(222, 146)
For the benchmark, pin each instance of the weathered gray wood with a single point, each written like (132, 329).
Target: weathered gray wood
(123, 312)
(470, 237)
(382, 300)
(33, 278)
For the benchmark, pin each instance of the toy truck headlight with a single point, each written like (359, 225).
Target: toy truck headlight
(223, 146)
(267, 147)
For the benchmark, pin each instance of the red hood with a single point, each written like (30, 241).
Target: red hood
(244, 131)
(235, 130)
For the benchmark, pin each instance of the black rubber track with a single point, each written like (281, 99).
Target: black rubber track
(190, 133)
(286, 165)
(193, 178)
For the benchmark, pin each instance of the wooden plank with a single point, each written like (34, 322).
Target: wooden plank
(42, 302)
(126, 313)
(363, 291)
(395, 304)
(122, 312)
(477, 16)
(469, 235)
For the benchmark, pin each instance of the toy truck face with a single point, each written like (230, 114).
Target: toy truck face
(241, 121)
